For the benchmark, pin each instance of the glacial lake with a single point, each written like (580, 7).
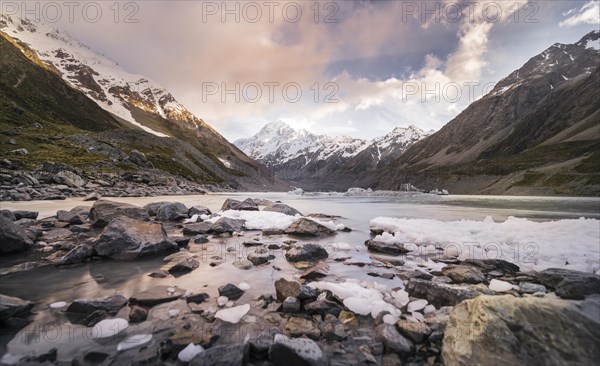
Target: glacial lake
(98, 279)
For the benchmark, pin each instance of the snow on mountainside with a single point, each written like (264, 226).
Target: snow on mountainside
(100, 78)
(312, 161)
(277, 142)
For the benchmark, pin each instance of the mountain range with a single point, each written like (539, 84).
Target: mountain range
(536, 132)
(321, 162)
(93, 113)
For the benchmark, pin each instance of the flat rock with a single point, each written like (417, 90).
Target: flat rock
(78, 254)
(416, 332)
(13, 307)
(490, 330)
(385, 248)
(282, 208)
(488, 265)
(80, 311)
(157, 295)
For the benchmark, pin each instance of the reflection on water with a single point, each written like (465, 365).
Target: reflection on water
(96, 279)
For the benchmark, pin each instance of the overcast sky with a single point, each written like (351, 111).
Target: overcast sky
(371, 60)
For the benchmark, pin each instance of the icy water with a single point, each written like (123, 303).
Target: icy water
(98, 279)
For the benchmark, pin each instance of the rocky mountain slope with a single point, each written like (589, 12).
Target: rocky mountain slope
(536, 132)
(63, 102)
(321, 162)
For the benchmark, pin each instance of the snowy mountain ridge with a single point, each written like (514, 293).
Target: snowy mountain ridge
(277, 141)
(100, 78)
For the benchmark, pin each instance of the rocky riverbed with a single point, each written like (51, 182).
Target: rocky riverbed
(271, 292)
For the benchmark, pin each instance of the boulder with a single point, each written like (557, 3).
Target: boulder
(291, 305)
(137, 314)
(227, 225)
(8, 214)
(20, 214)
(570, 284)
(157, 295)
(386, 248)
(393, 341)
(198, 228)
(125, 238)
(231, 291)
(306, 253)
(463, 274)
(80, 311)
(439, 294)
(297, 351)
(103, 211)
(282, 208)
(308, 227)
(69, 178)
(78, 254)
(153, 207)
(12, 237)
(198, 210)
(285, 289)
(13, 308)
(323, 307)
(416, 332)
(184, 266)
(246, 205)
(492, 330)
(259, 256)
(75, 216)
(92, 197)
(172, 211)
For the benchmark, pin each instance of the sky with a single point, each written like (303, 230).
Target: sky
(357, 68)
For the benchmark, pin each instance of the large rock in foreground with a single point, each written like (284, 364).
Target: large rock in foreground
(126, 238)
(307, 227)
(505, 330)
(12, 237)
(103, 211)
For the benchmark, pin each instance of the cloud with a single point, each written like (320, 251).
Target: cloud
(589, 13)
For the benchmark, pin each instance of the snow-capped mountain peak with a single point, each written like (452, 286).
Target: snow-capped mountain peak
(100, 78)
(282, 148)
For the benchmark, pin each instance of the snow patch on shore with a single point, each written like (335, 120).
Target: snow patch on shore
(569, 243)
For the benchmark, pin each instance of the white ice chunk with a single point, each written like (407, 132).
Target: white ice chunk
(134, 341)
(233, 315)
(500, 286)
(189, 352)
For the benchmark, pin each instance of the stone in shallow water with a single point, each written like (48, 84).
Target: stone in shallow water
(500, 286)
(392, 340)
(58, 305)
(157, 295)
(297, 327)
(231, 291)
